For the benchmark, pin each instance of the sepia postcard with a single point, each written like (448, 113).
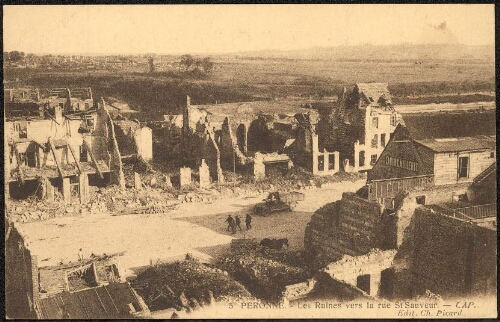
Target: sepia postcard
(250, 161)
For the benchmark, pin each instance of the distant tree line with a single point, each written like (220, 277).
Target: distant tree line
(205, 64)
(14, 56)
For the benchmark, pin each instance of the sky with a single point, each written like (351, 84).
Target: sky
(175, 29)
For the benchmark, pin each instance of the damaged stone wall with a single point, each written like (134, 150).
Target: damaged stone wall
(447, 256)
(349, 268)
(230, 150)
(21, 277)
(125, 130)
(323, 286)
(111, 145)
(351, 226)
(134, 139)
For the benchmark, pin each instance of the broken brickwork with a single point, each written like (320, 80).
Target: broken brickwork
(447, 256)
(21, 276)
(61, 149)
(352, 270)
(351, 226)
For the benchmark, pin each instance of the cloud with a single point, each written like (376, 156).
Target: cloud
(438, 35)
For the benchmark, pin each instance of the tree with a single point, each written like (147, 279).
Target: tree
(151, 62)
(16, 56)
(187, 60)
(207, 65)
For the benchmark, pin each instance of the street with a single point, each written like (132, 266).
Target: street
(199, 229)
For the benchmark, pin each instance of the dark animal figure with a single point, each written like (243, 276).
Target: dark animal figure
(274, 243)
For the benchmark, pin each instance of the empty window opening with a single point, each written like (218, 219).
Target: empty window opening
(363, 283)
(90, 122)
(375, 141)
(387, 283)
(393, 120)
(31, 159)
(420, 200)
(321, 163)
(22, 129)
(382, 140)
(22, 191)
(22, 159)
(84, 157)
(361, 158)
(74, 187)
(331, 162)
(463, 167)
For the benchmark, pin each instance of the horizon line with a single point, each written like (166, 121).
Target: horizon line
(248, 51)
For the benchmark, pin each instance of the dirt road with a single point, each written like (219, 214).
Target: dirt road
(195, 228)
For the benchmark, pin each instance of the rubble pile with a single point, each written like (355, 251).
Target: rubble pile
(33, 209)
(294, 179)
(146, 200)
(185, 285)
(264, 278)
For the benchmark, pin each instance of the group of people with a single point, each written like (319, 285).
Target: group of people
(233, 223)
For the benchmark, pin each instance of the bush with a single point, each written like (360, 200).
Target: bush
(162, 285)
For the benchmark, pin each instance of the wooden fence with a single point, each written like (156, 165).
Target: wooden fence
(389, 188)
(479, 212)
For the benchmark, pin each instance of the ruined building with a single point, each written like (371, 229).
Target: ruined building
(91, 288)
(360, 126)
(61, 143)
(252, 137)
(428, 213)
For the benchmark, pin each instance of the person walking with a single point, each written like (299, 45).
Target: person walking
(233, 228)
(238, 222)
(80, 255)
(248, 221)
(230, 222)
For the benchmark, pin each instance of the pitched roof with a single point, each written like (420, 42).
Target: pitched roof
(425, 126)
(104, 302)
(481, 142)
(374, 91)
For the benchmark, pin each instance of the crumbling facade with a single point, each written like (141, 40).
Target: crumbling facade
(60, 149)
(254, 137)
(360, 126)
(447, 255)
(305, 148)
(134, 139)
